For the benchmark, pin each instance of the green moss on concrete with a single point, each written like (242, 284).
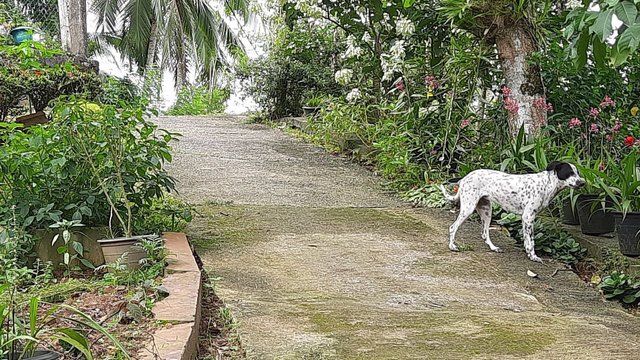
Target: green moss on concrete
(220, 225)
(431, 333)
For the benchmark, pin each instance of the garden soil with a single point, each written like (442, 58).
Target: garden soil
(317, 261)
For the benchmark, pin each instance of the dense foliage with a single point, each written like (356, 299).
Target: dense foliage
(199, 100)
(41, 73)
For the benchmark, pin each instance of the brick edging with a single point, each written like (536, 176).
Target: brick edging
(181, 309)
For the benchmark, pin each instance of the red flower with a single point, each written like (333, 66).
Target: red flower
(400, 85)
(465, 123)
(629, 141)
(594, 128)
(594, 112)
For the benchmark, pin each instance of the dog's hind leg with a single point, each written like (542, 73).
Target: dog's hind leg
(484, 210)
(466, 209)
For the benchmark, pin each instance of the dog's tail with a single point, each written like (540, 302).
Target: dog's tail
(450, 198)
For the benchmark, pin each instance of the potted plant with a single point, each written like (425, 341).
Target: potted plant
(591, 205)
(621, 184)
(312, 106)
(20, 34)
(569, 211)
(125, 155)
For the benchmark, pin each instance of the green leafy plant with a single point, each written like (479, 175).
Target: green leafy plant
(199, 100)
(429, 196)
(123, 152)
(549, 238)
(620, 286)
(65, 228)
(620, 183)
(167, 213)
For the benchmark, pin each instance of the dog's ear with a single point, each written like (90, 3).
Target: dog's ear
(562, 170)
(553, 166)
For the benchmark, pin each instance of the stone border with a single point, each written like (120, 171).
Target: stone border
(181, 309)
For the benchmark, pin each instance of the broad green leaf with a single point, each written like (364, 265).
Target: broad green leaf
(599, 52)
(581, 49)
(626, 12)
(77, 246)
(408, 3)
(603, 26)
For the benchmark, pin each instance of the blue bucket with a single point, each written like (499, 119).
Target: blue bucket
(21, 34)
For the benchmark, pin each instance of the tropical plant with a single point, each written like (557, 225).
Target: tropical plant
(65, 228)
(123, 151)
(620, 183)
(590, 28)
(179, 34)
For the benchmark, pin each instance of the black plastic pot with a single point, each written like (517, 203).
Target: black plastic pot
(628, 229)
(570, 213)
(39, 355)
(593, 219)
(310, 110)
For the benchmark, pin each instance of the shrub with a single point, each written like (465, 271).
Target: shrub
(300, 63)
(42, 73)
(58, 171)
(117, 91)
(199, 100)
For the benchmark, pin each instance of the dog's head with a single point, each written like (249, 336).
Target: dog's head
(567, 174)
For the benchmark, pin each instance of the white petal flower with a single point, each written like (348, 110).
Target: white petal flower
(574, 4)
(309, 8)
(366, 37)
(405, 27)
(343, 77)
(354, 95)
(353, 50)
(397, 50)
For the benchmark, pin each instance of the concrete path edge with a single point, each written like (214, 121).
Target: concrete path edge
(178, 340)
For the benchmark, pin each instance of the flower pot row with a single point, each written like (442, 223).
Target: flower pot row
(595, 218)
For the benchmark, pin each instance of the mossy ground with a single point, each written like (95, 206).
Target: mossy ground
(366, 283)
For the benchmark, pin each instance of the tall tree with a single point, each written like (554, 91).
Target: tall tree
(178, 32)
(514, 27)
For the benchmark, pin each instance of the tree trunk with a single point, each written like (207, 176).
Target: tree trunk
(73, 26)
(526, 103)
(181, 67)
(152, 46)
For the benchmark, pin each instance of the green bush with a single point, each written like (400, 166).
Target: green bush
(167, 213)
(117, 91)
(41, 73)
(58, 171)
(299, 64)
(199, 100)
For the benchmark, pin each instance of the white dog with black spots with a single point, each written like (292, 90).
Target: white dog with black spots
(525, 195)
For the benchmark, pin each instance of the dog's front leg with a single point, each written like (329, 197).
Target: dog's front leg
(528, 219)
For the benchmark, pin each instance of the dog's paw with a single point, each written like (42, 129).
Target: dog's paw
(535, 258)
(453, 247)
(497, 249)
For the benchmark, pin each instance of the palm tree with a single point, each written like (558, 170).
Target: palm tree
(180, 33)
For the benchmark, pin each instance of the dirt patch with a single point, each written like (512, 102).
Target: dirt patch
(218, 336)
